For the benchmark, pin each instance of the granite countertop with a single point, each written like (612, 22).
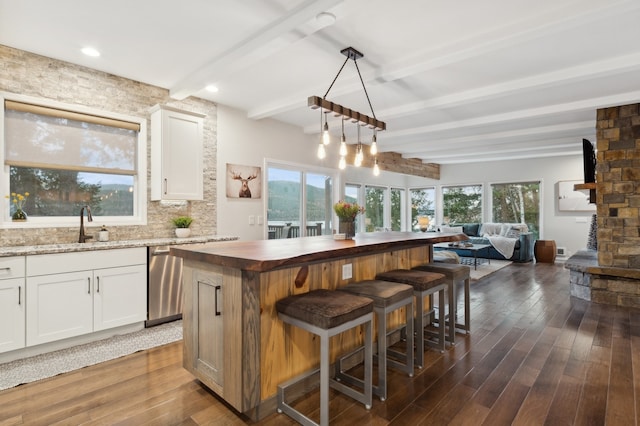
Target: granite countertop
(107, 245)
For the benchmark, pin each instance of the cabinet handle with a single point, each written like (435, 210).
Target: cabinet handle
(19, 295)
(218, 313)
(165, 186)
(88, 285)
(98, 282)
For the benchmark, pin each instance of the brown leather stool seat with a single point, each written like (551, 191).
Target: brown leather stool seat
(387, 297)
(327, 313)
(424, 284)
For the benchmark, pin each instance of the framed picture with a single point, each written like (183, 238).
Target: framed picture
(573, 201)
(243, 181)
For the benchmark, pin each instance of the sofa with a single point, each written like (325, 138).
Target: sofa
(480, 233)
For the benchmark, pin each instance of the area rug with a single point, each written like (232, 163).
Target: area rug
(39, 367)
(486, 269)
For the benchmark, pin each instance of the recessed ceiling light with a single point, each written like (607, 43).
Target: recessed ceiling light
(211, 88)
(90, 51)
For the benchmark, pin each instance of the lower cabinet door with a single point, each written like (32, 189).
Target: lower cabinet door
(120, 296)
(12, 314)
(208, 318)
(59, 306)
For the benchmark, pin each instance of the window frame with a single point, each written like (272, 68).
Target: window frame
(482, 193)
(303, 170)
(489, 200)
(139, 216)
(433, 220)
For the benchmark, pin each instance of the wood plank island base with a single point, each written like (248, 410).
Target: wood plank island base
(234, 342)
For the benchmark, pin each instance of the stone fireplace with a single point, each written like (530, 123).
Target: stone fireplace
(612, 273)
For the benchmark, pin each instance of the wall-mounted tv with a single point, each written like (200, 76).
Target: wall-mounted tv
(589, 161)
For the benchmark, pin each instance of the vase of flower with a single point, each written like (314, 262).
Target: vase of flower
(18, 200)
(19, 216)
(347, 227)
(347, 213)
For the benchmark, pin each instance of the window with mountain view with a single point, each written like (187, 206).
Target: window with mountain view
(299, 202)
(517, 203)
(66, 160)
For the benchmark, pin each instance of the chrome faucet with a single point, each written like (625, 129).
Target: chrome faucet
(83, 238)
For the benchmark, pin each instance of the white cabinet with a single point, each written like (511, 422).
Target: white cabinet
(59, 306)
(12, 303)
(176, 154)
(119, 297)
(72, 294)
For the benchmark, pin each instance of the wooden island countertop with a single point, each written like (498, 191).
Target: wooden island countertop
(234, 341)
(267, 255)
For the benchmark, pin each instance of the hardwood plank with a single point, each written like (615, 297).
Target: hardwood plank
(621, 390)
(536, 405)
(592, 407)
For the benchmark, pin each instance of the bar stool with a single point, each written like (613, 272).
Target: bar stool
(454, 273)
(387, 297)
(327, 313)
(424, 284)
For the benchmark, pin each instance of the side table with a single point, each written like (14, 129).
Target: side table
(545, 251)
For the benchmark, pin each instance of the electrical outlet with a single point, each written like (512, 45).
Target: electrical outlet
(347, 271)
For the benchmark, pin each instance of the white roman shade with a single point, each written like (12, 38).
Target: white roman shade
(50, 138)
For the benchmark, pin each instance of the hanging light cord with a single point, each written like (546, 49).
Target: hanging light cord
(361, 81)
(336, 77)
(365, 89)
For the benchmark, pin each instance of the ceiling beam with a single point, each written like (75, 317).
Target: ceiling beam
(427, 60)
(258, 45)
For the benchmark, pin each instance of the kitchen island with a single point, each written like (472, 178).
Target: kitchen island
(234, 342)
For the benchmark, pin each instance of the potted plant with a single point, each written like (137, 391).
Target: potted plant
(182, 224)
(347, 213)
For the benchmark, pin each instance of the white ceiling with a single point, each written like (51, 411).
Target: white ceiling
(455, 81)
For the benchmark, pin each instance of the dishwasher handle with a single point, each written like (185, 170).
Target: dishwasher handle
(160, 252)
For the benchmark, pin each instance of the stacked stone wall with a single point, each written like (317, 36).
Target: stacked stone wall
(25, 73)
(618, 186)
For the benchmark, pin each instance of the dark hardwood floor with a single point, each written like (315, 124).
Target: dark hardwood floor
(535, 356)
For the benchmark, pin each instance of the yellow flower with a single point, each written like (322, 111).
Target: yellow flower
(18, 199)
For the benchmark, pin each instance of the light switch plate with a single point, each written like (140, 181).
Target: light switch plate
(347, 271)
(259, 220)
(252, 220)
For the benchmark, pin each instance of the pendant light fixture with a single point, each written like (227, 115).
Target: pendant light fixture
(322, 153)
(360, 119)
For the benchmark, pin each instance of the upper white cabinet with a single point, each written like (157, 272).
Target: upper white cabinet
(12, 303)
(176, 154)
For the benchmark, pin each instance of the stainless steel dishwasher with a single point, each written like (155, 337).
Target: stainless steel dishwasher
(164, 286)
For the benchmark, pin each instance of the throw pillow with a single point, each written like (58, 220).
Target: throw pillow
(471, 229)
(454, 229)
(490, 229)
(514, 232)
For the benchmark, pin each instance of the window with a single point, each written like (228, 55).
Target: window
(517, 203)
(397, 209)
(293, 194)
(423, 203)
(462, 204)
(66, 159)
(374, 204)
(352, 195)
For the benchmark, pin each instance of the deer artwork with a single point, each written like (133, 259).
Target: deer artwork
(245, 192)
